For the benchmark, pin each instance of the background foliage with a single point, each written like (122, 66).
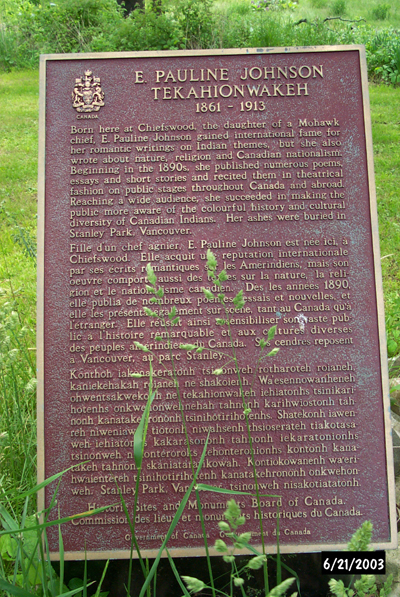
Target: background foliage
(29, 28)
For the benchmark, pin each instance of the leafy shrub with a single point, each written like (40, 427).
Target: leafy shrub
(240, 8)
(383, 55)
(263, 5)
(382, 49)
(318, 3)
(391, 72)
(62, 27)
(278, 29)
(146, 31)
(339, 8)
(233, 31)
(380, 12)
(196, 22)
(393, 329)
(29, 28)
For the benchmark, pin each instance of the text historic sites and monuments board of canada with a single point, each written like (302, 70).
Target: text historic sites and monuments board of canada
(265, 157)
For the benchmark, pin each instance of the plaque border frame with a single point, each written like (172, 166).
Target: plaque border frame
(189, 552)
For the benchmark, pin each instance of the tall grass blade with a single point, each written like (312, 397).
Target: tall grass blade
(13, 590)
(278, 553)
(174, 522)
(139, 439)
(51, 523)
(205, 487)
(97, 594)
(84, 594)
(37, 488)
(75, 591)
(61, 550)
(177, 575)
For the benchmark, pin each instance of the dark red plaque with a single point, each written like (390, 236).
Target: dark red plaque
(264, 157)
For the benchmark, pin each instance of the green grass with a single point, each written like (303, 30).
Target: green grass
(18, 179)
(386, 140)
(353, 9)
(19, 101)
(321, 9)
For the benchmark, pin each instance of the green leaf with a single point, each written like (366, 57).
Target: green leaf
(256, 562)
(228, 559)
(8, 548)
(211, 261)
(187, 346)
(160, 292)
(224, 526)
(221, 297)
(17, 592)
(223, 276)
(153, 300)
(281, 589)
(158, 338)
(244, 538)
(238, 301)
(150, 288)
(238, 582)
(194, 584)
(137, 375)
(141, 346)
(208, 294)
(149, 312)
(152, 278)
(337, 588)
(220, 321)
(271, 332)
(273, 352)
(13, 590)
(172, 313)
(220, 546)
(200, 349)
(387, 586)
(362, 538)
(175, 321)
(218, 371)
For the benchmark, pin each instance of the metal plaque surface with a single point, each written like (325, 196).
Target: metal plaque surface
(265, 157)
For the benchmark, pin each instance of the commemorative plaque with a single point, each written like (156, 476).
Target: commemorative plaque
(265, 158)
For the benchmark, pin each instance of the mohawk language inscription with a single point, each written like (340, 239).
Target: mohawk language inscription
(265, 159)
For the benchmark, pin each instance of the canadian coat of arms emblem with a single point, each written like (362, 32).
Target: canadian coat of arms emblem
(87, 95)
